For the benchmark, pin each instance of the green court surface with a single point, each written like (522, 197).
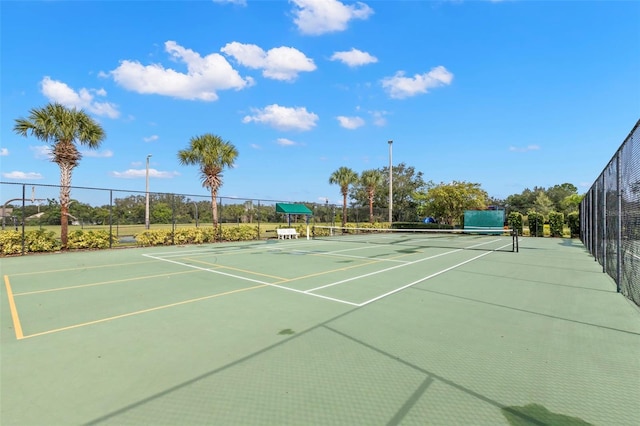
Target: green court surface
(308, 332)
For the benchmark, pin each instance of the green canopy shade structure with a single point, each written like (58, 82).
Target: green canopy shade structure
(290, 209)
(293, 209)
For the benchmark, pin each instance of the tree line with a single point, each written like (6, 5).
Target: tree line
(413, 198)
(63, 129)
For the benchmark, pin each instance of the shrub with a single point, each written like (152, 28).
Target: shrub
(556, 224)
(159, 237)
(239, 233)
(35, 241)
(165, 237)
(536, 223)
(10, 242)
(573, 221)
(101, 239)
(515, 221)
(40, 240)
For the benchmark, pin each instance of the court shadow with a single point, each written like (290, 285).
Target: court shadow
(572, 242)
(536, 414)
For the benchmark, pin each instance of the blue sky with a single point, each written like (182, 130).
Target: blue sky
(508, 94)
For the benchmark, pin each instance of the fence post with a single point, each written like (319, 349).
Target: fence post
(605, 219)
(23, 206)
(619, 227)
(173, 219)
(110, 218)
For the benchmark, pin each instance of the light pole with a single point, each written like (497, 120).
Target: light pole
(146, 208)
(390, 181)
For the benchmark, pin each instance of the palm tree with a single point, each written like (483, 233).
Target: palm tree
(62, 128)
(212, 154)
(344, 177)
(370, 180)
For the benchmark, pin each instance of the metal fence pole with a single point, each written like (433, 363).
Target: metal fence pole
(23, 206)
(619, 227)
(110, 218)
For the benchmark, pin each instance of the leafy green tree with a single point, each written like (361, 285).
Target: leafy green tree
(233, 212)
(212, 154)
(522, 202)
(448, 201)
(161, 213)
(543, 204)
(370, 180)
(130, 209)
(81, 211)
(343, 177)
(406, 182)
(558, 193)
(101, 215)
(62, 128)
(571, 203)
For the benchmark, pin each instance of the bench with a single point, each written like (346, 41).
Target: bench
(286, 233)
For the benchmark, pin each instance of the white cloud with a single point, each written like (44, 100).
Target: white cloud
(151, 138)
(280, 63)
(350, 122)
(285, 142)
(354, 58)
(142, 173)
(524, 148)
(98, 154)
(57, 91)
(255, 146)
(400, 87)
(283, 118)
(41, 152)
(204, 77)
(4, 152)
(315, 17)
(22, 175)
(238, 2)
(379, 118)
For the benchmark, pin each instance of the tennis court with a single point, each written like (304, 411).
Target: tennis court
(360, 329)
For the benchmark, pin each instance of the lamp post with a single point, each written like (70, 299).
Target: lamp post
(146, 208)
(390, 182)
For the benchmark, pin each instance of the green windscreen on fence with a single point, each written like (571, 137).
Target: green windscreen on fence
(474, 219)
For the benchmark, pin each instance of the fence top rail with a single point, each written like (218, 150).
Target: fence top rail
(132, 191)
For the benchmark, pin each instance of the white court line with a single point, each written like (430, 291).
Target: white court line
(428, 277)
(400, 266)
(350, 256)
(309, 292)
(248, 279)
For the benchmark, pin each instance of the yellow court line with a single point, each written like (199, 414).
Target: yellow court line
(79, 268)
(144, 311)
(345, 268)
(14, 310)
(26, 293)
(339, 269)
(218, 266)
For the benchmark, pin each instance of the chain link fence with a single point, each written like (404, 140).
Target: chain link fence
(610, 217)
(125, 213)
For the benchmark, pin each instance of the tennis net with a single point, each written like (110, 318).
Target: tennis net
(490, 239)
